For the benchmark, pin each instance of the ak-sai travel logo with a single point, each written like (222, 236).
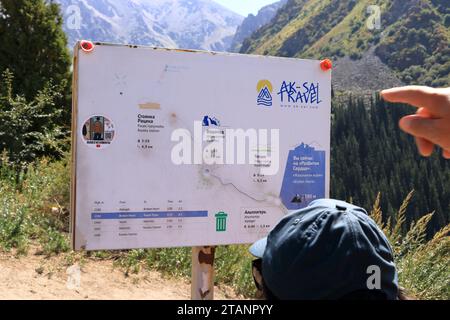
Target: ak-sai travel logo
(265, 90)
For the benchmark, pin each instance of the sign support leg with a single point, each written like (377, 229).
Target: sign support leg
(202, 282)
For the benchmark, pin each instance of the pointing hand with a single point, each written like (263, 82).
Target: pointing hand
(431, 124)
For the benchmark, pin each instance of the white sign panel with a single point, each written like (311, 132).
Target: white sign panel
(182, 148)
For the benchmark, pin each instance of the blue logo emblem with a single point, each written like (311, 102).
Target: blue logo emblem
(264, 89)
(210, 121)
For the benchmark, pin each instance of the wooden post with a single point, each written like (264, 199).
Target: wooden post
(202, 282)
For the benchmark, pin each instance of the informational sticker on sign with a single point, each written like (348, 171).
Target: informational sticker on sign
(186, 148)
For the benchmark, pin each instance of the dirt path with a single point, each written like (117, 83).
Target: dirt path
(37, 277)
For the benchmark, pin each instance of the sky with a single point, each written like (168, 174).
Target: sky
(244, 7)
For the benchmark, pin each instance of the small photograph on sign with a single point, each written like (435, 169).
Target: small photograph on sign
(98, 132)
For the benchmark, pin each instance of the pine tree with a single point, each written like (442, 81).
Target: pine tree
(33, 45)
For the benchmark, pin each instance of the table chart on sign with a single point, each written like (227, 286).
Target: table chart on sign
(128, 223)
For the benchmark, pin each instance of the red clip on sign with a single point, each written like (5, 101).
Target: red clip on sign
(86, 46)
(326, 64)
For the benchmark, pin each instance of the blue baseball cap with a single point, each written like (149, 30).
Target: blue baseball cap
(326, 251)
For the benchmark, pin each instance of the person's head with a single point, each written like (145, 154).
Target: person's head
(328, 250)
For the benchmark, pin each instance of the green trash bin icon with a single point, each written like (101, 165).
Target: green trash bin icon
(221, 221)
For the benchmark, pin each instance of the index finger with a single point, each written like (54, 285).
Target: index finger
(417, 96)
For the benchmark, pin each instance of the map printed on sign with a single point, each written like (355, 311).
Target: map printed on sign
(185, 148)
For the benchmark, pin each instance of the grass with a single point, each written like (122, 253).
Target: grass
(337, 38)
(34, 210)
(271, 45)
(423, 266)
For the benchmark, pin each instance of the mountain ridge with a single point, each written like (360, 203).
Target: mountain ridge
(412, 41)
(188, 24)
(253, 22)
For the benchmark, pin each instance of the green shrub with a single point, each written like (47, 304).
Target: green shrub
(355, 56)
(54, 241)
(29, 129)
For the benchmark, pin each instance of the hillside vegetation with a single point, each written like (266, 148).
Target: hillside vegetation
(373, 164)
(413, 38)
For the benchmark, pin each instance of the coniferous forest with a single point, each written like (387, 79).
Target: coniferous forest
(370, 154)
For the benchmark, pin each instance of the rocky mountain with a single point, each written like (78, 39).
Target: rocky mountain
(190, 24)
(385, 41)
(253, 23)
